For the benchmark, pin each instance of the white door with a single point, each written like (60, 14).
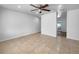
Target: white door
(48, 24)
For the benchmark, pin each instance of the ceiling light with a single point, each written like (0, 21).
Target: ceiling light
(59, 13)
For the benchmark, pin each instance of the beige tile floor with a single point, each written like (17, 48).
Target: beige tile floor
(39, 44)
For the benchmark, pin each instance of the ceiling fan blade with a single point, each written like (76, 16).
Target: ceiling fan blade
(45, 9)
(34, 6)
(34, 9)
(44, 6)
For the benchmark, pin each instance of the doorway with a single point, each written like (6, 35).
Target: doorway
(61, 24)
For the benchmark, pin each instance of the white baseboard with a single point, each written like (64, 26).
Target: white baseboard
(17, 36)
(73, 38)
(48, 35)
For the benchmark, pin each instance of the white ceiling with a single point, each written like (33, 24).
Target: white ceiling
(26, 8)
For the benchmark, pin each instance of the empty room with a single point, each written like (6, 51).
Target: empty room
(39, 28)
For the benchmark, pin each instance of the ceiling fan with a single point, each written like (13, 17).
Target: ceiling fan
(40, 7)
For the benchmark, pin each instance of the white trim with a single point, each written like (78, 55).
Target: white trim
(17, 36)
(72, 38)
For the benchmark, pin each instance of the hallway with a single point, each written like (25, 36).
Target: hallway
(37, 43)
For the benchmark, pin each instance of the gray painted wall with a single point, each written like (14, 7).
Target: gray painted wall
(73, 24)
(14, 24)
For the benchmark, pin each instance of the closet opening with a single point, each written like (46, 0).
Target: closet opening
(62, 23)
